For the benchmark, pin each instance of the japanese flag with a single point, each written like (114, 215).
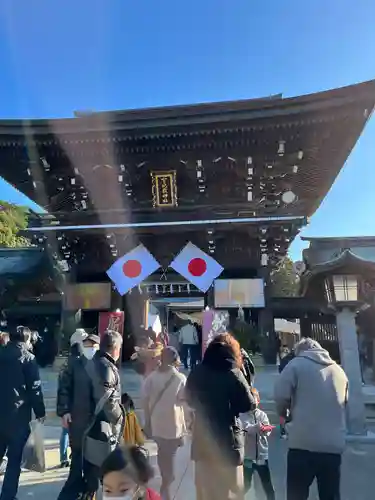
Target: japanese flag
(131, 269)
(196, 266)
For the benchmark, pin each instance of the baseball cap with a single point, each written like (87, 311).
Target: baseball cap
(95, 339)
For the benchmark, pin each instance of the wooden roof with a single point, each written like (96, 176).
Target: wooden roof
(318, 131)
(95, 169)
(162, 118)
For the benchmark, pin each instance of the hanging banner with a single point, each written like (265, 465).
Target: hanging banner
(214, 323)
(164, 189)
(111, 321)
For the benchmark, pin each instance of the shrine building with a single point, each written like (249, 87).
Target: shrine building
(238, 179)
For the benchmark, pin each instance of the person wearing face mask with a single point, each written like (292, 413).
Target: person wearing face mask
(75, 406)
(125, 474)
(106, 428)
(76, 341)
(90, 346)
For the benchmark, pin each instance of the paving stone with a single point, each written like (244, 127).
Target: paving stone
(358, 478)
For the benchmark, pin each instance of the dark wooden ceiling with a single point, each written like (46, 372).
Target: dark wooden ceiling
(235, 246)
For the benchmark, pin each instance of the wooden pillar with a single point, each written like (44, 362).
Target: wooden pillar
(145, 313)
(70, 321)
(134, 308)
(209, 298)
(117, 301)
(305, 326)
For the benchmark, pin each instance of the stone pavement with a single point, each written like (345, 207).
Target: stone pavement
(358, 477)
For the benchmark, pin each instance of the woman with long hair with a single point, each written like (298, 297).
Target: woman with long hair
(218, 392)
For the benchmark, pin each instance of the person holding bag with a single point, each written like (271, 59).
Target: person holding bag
(89, 402)
(107, 425)
(163, 400)
(75, 406)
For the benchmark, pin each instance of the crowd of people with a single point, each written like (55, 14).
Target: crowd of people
(216, 405)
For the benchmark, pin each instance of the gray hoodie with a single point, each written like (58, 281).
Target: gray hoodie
(315, 389)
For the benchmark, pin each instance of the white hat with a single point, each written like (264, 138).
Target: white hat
(78, 336)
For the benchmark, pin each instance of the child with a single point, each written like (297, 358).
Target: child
(133, 434)
(257, 429)
(125, 474)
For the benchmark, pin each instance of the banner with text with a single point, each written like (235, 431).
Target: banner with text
(111, 321)
(214, 323)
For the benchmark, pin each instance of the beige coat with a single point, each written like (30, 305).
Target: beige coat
(168, 417)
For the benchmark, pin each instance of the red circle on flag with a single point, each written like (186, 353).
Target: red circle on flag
(197, 267)
(132, 268)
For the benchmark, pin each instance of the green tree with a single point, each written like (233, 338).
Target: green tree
(13, 220)
(284, 279)
(246, 334)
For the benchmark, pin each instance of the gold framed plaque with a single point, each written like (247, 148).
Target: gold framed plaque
(164, 189)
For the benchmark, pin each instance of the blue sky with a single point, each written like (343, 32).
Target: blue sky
(60, 56)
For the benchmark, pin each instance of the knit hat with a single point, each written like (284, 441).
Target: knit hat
(78, 336)
(170, 356)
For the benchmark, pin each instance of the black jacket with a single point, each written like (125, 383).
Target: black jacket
(248, 368)
(81, 385)
(20, 388)
(285, 360)
(74, 396)
(218, 392)
(106, 382)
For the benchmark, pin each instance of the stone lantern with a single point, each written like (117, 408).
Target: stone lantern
(341, 285)
(342, 292)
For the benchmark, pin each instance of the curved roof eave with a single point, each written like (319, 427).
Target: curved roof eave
(17, 262)
(346, 258)
(196, 114)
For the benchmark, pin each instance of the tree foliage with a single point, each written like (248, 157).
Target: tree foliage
(13, 219)
(245, 333)
(285, 281)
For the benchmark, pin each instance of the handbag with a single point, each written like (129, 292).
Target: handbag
(95, 450)
(33, 456)
(147, 428)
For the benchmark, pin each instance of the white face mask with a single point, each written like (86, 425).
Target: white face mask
(129, 495)
(89, 352)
